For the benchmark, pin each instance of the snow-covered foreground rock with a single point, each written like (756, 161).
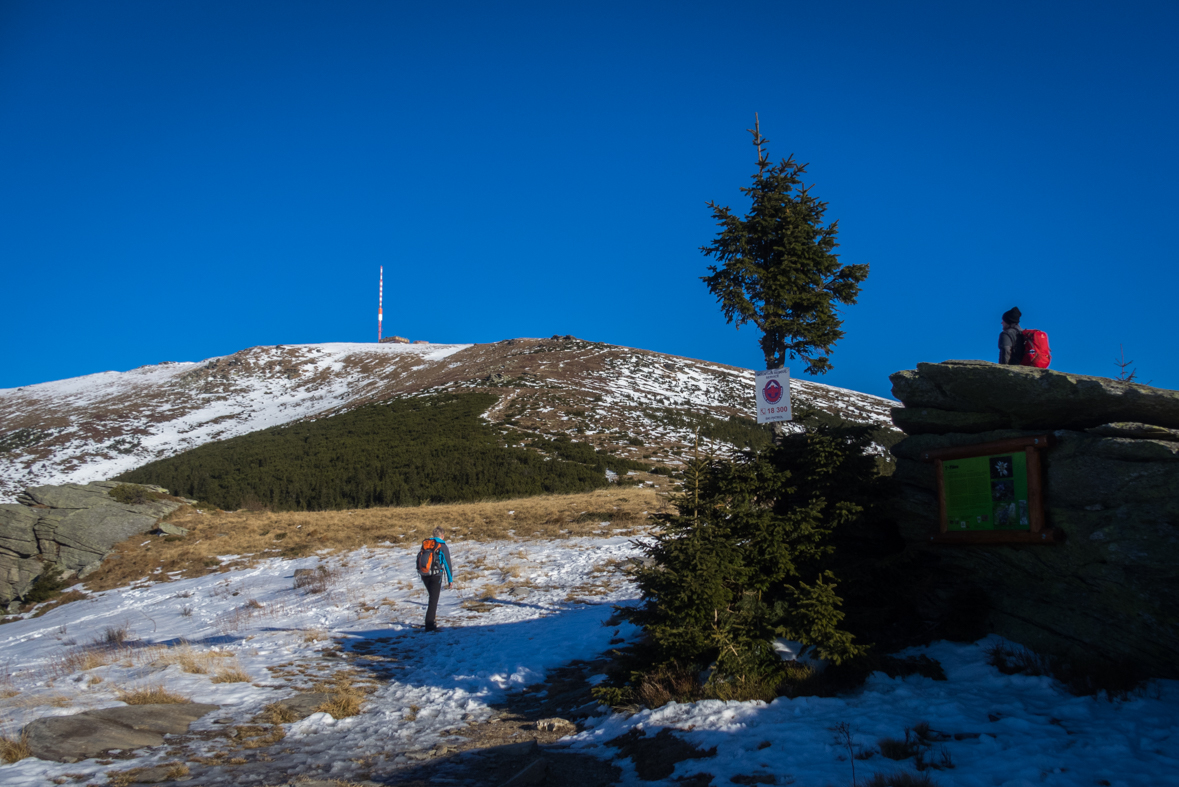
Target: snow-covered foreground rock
(524, 608)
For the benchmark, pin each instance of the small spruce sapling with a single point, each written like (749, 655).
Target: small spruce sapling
(1126, 372)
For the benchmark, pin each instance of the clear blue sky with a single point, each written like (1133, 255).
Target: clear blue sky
(180, 180)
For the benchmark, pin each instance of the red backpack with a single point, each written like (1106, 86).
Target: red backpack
(1035, 349)
(430, 558)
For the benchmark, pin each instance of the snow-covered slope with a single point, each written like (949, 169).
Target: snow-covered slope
(94, 427)
(431, 691)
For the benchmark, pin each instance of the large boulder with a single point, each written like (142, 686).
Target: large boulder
(71, 526)
(1030, 398)
(93, 732)
(1110, 590)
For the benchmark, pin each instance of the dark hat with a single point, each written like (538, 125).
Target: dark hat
(1012, 316)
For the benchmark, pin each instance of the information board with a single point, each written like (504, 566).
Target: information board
(992, 492)
(772, 389)
(987, 492)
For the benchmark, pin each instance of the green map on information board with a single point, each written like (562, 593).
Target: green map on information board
(987, 492)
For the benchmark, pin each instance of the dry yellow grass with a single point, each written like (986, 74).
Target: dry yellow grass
(277, 713)
(193, 661)
(265, 534)
(346, 695)
(341, 705)
(176, 770)
(100, 654)
(14, 749)
(231, 675)
(250, 737)
(151, 695)
(83, 659)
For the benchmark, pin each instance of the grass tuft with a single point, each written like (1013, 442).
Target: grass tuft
(151, 695)
(346, 696)
(275, 734)
(14, 749)
(192, 661)
(231, 675)
(114, 636)
(277, 713)
(317, 581)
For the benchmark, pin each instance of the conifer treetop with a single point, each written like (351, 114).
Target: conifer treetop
(777, 266)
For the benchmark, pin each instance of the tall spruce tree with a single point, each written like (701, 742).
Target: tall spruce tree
(778, 269)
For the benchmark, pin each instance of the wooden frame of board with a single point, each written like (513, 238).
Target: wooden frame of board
(1030, 447)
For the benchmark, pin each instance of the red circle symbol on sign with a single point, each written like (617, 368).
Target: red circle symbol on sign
(772, 392)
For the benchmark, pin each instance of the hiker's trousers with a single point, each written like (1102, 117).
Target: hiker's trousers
(433, 583)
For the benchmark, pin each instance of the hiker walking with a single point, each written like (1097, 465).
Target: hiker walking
(1011, 339)
(433, 562)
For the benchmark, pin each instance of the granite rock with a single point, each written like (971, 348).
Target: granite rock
(16, 530)
(1034, 398)
(1110, 590)
(72, 526)
(92, 732)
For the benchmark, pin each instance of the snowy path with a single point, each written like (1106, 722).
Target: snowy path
(550, 600)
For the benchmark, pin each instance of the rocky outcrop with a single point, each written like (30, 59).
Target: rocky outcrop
(1110, 589)
(94, 732)
(977, 396)
(71, 526)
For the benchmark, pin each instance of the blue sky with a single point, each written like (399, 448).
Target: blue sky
(180, 180)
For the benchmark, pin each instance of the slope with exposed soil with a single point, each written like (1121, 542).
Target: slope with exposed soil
(636, 403)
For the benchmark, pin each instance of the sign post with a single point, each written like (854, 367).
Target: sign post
(773, 395)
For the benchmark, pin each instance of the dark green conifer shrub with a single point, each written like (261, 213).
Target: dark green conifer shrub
(133, 494)
(748, 555)
(46, 586)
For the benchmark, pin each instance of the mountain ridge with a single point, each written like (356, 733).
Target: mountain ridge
(638, 403)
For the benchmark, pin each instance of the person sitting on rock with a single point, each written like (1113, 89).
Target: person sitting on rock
(1011, 339)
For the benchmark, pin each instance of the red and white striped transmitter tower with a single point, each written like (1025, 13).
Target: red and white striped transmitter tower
(380, 303)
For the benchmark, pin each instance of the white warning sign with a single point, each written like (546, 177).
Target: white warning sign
(773, 395)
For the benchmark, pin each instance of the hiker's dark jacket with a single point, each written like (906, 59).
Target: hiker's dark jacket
(1011, 345)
